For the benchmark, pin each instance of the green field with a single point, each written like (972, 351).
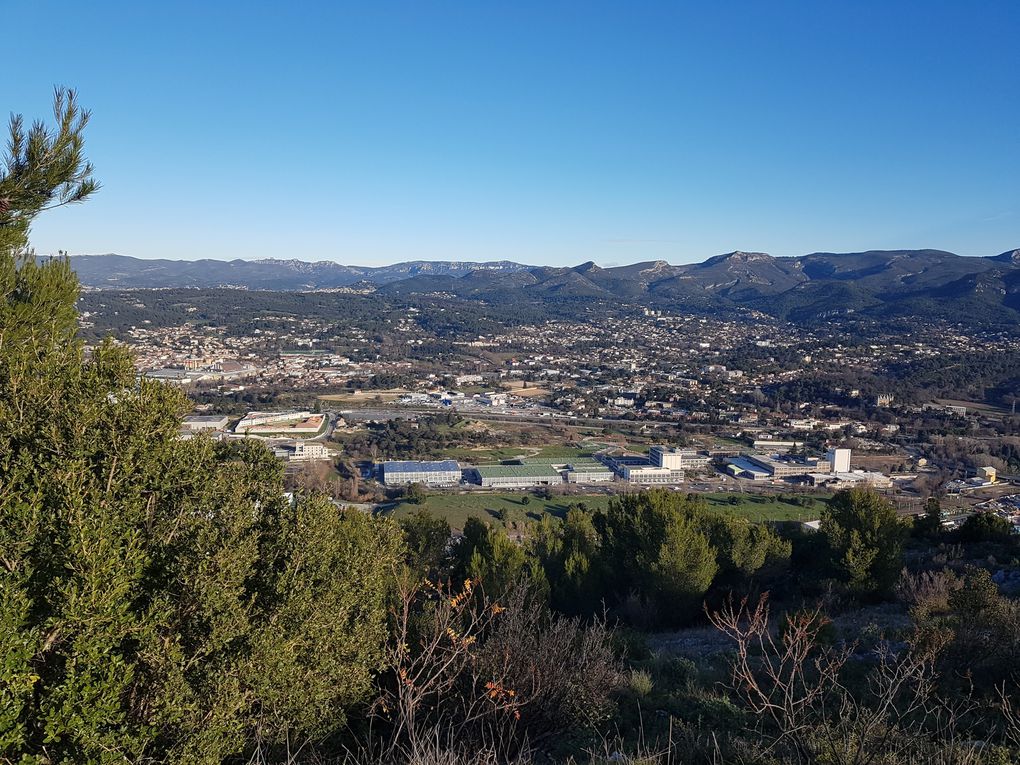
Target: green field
(494, 508)
(492, 456)
(759, 507)
(484, 456)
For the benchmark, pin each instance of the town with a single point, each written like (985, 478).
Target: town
(626, 397)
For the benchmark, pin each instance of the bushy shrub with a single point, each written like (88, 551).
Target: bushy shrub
(160, 600)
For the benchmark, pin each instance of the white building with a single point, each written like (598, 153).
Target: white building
(649, 474)
(588, 472)
(850, 480)
(741, 467)
(675, 458)
(438, 473)
(205, 422)
(254, 419)
(839, 460)
(301, 451)
(517, 476)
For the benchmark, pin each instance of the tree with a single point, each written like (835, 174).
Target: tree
(43, 169)
(570, 556)
(652, 544)
(427, 539)
(865, 539)
(415, 494)
(930, 523)
(488, 555)
(160, 600)
(986, 527)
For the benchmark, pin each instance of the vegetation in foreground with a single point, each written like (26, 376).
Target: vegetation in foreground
(161, 601)
(516, 511)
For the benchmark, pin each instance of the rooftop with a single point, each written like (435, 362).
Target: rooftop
(415, 466)
(516, 471)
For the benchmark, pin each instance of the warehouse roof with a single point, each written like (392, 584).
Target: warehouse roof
(555, 460)
(588, 467)
(414, 466)
(516, 471)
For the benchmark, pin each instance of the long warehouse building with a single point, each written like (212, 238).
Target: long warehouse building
(439, 473)
(517, 476)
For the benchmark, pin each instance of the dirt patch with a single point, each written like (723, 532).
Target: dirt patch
(529, 392)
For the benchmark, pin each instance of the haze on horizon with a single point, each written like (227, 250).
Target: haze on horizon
(545, 133)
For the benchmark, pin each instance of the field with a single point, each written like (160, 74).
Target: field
(973, 406)
(366, 398)
(481, 456)
(529, 392)
(495, 508)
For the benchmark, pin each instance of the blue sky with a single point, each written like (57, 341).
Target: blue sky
(545, 132)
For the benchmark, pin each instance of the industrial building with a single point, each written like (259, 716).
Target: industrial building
(674, 458)
(581, 469)
(774, 446)
(850, 479)
(439, 473)
(742, 467)
(649, 474)
(178, 376)
(517, 476)
(642, 470)
(588, 471)
(789, 467)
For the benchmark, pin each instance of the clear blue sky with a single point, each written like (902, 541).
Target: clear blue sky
(546, 132)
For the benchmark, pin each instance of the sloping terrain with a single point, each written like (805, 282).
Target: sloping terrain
(926, 284)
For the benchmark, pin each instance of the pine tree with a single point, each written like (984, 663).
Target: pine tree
(160, 600)
(865, 538)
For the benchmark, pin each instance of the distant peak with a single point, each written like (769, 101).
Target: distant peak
(587, 267)
(739, 256)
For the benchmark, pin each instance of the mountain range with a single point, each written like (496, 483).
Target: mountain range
(123, 272)
(822, 285)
